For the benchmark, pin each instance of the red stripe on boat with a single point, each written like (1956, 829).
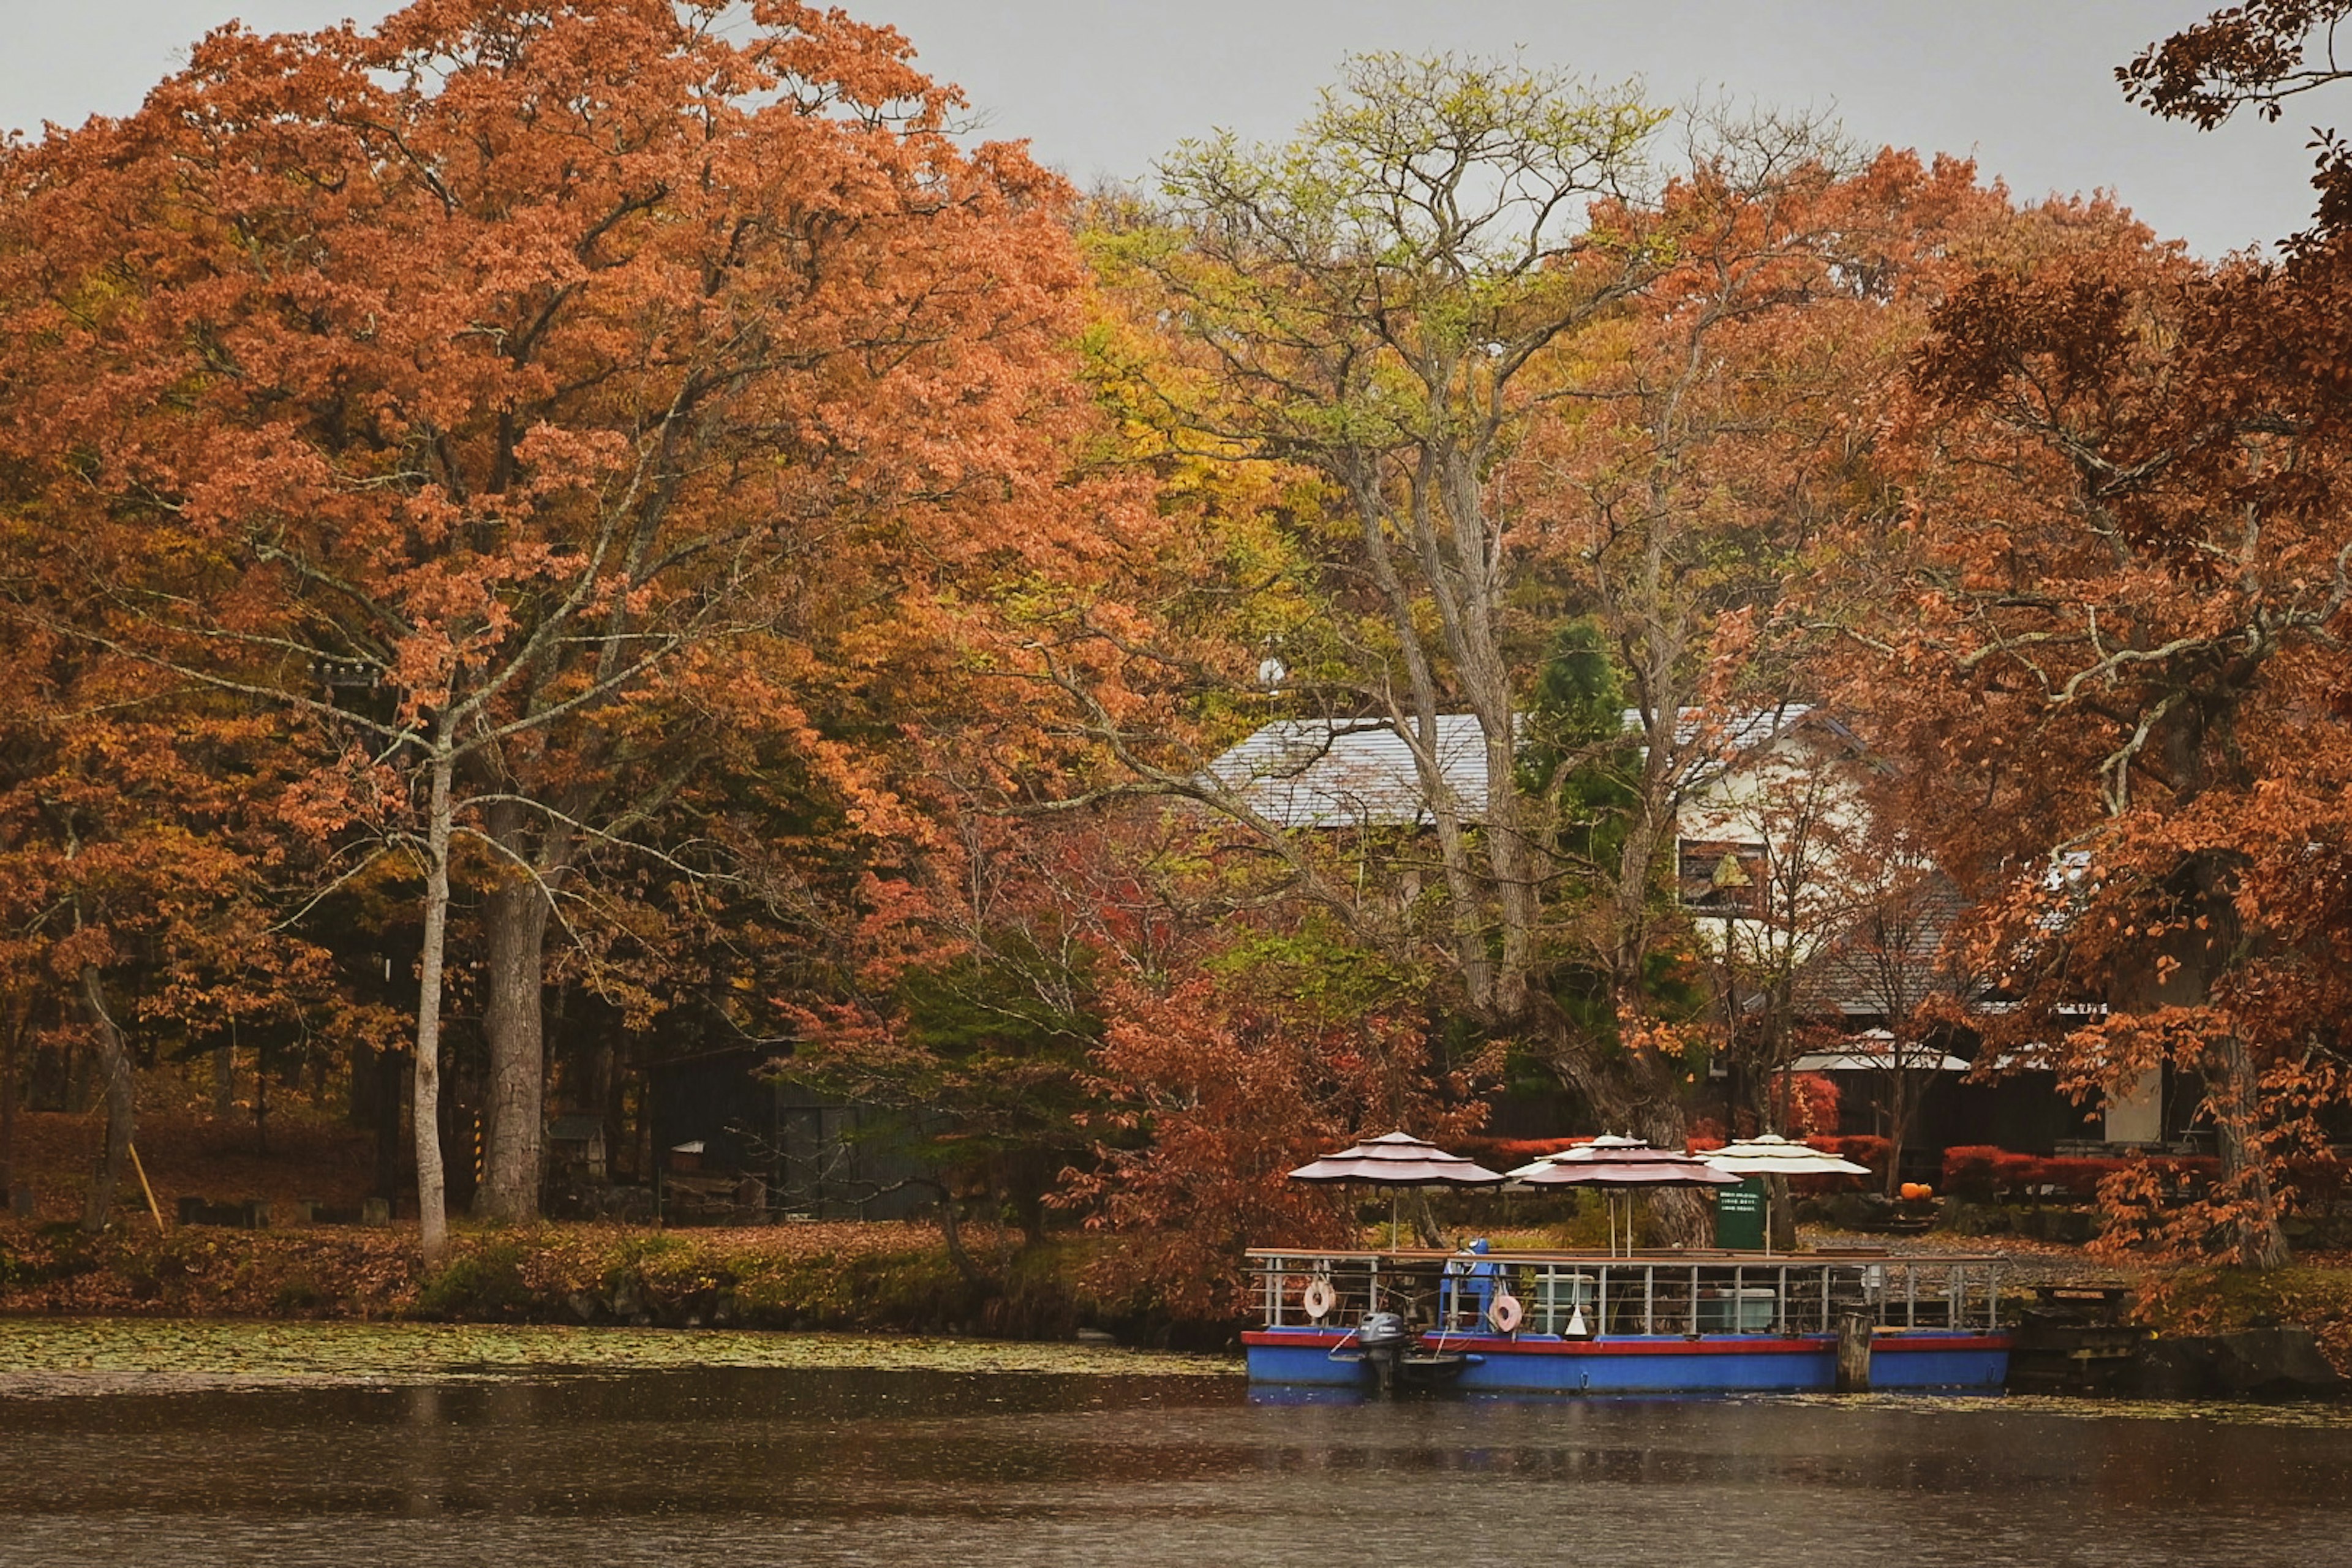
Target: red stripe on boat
(1304, 1339)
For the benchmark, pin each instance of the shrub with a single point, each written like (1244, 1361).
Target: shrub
(1982, 1171)
(296, 1292)
(484, 1283)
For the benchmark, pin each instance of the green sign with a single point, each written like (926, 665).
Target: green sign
(1739, 1215)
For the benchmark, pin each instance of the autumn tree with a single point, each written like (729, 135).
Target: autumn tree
(1258, 1047)
(1768, 872)
(142, 858)
(1377, 300)
(1716, 431)
(2112, 647)
(482, 388)
(2107, 649)
(1376, 304)
(1535, 384)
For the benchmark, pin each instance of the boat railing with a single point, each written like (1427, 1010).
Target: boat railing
(1572, 1295)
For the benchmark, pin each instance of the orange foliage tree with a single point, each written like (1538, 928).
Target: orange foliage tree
(506, 392)
(142, 859)
(1259, 1050)
(2110, 651)
(2114, 650)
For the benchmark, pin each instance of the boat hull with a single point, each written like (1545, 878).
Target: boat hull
(1915, 1361)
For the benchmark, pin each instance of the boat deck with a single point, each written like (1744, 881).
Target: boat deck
(1682, 1321)
(1678, 1292)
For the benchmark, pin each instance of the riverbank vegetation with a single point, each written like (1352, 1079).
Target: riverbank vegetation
(546, 546)
(811, 1280)
(833, 1277)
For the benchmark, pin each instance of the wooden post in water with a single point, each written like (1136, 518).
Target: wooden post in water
(1853, 1352)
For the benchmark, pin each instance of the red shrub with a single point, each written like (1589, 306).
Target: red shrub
(1970, 1168)
(1504, 1153)
(1862, 1148)
(2076, 1177)
(1983, 1171)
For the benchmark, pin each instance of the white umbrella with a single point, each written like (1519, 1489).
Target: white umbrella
(1583, 1154)
(1770, 1154)
(1617, 1165)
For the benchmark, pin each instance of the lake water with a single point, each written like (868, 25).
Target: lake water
(783, 1465)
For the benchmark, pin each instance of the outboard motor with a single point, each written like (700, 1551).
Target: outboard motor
(1383, 1338)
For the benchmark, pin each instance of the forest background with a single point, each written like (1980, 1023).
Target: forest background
(544, 539)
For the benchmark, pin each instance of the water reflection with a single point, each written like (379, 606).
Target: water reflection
(767, 1466)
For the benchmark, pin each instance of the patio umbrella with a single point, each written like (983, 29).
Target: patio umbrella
(1622, 1164)
(1770, 1154)
(1396, 1161)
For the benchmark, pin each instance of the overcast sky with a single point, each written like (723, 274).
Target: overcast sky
(1104, 87)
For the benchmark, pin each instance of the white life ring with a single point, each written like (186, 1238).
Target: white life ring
(1318, 1299)
(1504, 1313)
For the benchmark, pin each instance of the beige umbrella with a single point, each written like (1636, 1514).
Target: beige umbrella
(1622, 1164)
(1770, 1154)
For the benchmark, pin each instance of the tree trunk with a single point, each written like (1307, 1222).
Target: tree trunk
(1780, 1208)
(261, 1099)
(514, 920)
(1634, 1094)
(9, 1030)
(2257, 1240)
(605, 1095)
(121, 1103)
(951, 1234)
(1898, 1125)
(224, 1083)
(432, 1215)
(1425, 1228)
(514, 923)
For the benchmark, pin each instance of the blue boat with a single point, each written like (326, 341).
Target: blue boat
(1680, 1322)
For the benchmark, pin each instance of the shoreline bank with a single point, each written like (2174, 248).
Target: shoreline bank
(895, 1278)
(837, 1277)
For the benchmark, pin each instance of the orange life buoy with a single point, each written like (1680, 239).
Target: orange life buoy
(1504, 1313)
(1318, 1298)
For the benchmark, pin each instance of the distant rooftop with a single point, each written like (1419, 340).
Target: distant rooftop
(1359, 773)
(1352, 772)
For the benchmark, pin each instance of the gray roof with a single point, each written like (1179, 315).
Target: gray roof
(1919, 1058)
(1741, 730)
(1351, 773)
(1855, 972)
(1359, 772)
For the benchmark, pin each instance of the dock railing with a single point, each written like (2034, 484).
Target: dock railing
(1679, 1293)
